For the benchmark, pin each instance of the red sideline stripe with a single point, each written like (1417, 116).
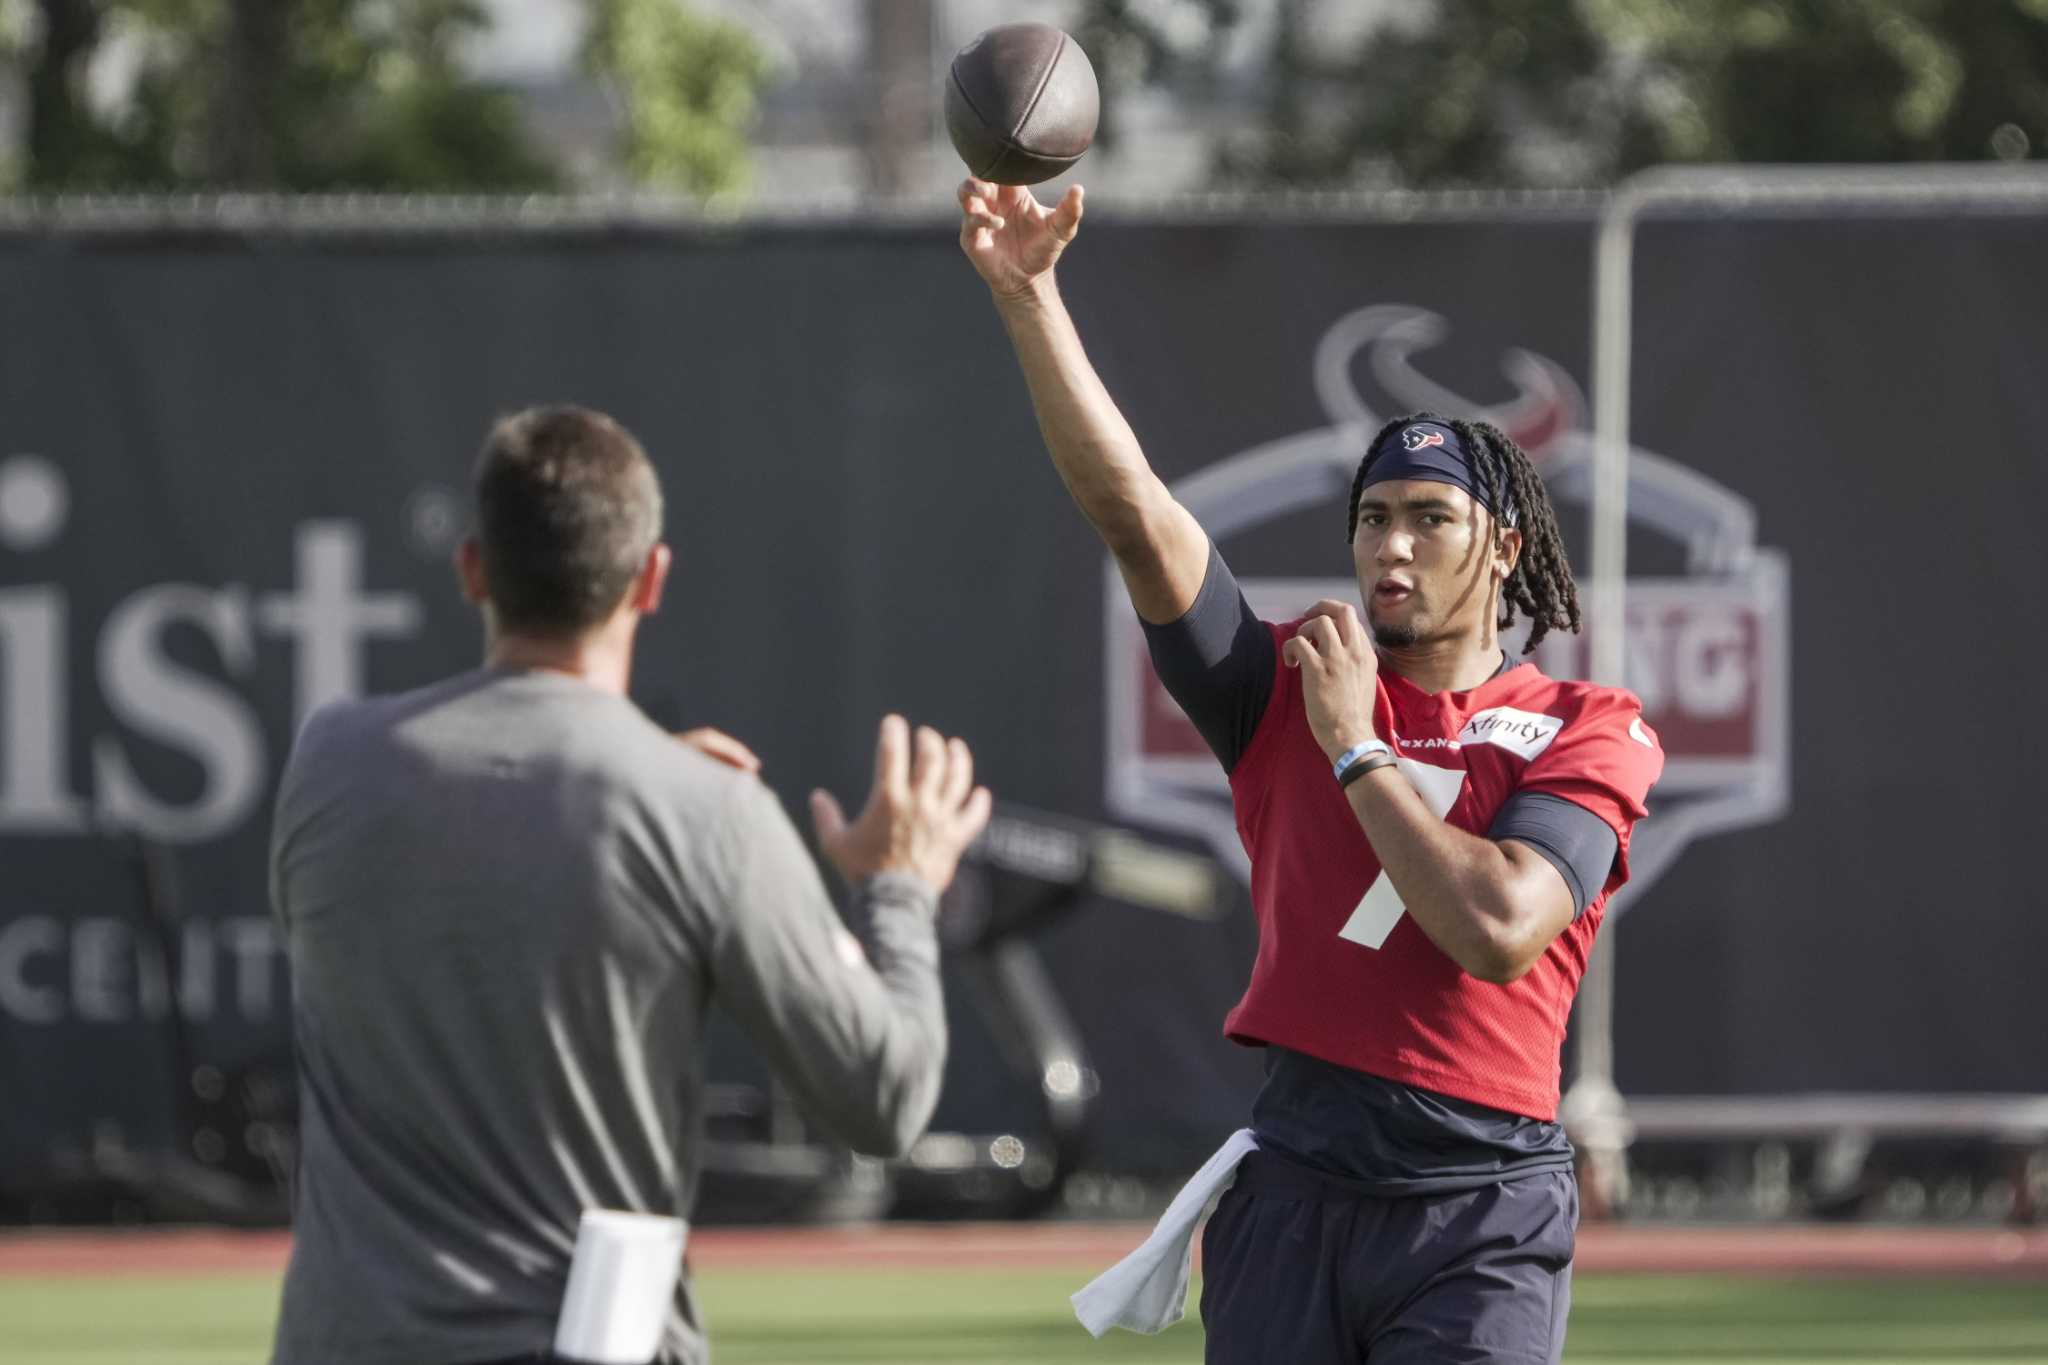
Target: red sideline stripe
(2000, 1252)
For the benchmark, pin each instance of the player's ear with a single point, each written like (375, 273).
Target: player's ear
(653, 577)
(469, 571)
(1507, 550)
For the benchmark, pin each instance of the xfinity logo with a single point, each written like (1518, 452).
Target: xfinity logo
(1520, 732)
(327, 614)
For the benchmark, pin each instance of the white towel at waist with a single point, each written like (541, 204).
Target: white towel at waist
(1147, 1291)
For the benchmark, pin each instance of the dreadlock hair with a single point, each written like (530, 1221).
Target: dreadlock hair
(1541, 583)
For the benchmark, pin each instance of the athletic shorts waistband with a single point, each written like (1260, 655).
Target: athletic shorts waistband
(1269, 1172)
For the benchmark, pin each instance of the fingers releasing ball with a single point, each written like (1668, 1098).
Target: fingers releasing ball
(1021, 104)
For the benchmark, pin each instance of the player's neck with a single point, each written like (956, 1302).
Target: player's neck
(1456, 663)
(603, 658)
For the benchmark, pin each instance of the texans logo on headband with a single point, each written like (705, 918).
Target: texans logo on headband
(1415, 438)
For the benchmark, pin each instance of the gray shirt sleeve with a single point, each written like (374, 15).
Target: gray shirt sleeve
(854, 1025)
(1578, 843)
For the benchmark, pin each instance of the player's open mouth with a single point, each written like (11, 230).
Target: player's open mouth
(1390, 592)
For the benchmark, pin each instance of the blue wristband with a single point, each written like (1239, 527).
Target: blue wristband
(1358, 751)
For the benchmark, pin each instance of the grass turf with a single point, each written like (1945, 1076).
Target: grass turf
(983, 1316)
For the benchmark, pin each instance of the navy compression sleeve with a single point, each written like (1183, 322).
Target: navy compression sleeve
(1217, 661)
(1578, 843)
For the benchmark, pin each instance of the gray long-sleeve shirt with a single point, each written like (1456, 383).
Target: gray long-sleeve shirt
(510, 900)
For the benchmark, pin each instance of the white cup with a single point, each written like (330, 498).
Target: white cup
(622, 1283)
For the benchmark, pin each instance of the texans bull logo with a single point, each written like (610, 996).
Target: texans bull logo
(1708, 649)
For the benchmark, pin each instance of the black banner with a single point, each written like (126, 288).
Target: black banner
(232, 471)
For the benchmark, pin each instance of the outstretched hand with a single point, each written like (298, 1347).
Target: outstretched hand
(1012, 239)
(920, 817)
(1339, 674)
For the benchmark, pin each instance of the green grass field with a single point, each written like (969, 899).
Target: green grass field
(980, 1317)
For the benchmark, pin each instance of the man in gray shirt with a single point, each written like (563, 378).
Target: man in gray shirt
(510, 900)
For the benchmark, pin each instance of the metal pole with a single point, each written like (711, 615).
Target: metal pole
(1593, 1109)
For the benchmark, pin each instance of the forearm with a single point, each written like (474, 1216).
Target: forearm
(1470, 894)
(1157, 543)
(1492, 905)
(1093, 448)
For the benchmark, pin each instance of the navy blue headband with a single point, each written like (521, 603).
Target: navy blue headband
(1432, 451)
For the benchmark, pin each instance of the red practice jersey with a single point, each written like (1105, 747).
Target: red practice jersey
(1343, 973)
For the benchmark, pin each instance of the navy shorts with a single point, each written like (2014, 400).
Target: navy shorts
(1303, 1267)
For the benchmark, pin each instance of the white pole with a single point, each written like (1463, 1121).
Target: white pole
(1593, 1109)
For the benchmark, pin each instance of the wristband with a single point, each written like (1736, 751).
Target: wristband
(1371, 763)
(1356, 752)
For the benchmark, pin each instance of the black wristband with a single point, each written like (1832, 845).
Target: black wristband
(1370, 763)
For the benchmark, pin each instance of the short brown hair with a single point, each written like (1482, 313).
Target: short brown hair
(567, 507)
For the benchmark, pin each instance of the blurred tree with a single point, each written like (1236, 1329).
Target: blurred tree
(1134, 43)
(1837, 80)
(686, 86)
(903, 97)
(1475, 91)
(269, 94)
(57, 39)
(1551, 92)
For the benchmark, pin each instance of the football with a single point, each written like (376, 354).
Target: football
(1021, 103)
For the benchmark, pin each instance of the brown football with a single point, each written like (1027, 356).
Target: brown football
(1021, 103)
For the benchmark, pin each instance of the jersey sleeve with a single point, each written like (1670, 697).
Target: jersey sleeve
(1217, 662)
(1605, 760)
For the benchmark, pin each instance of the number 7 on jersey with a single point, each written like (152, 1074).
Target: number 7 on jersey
(1381, 909)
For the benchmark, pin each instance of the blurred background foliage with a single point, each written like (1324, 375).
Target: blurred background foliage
(309, 95)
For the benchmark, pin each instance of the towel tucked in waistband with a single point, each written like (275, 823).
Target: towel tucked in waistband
(1147, 1291)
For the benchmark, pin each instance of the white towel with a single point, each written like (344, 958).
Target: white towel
(1147, 1291)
